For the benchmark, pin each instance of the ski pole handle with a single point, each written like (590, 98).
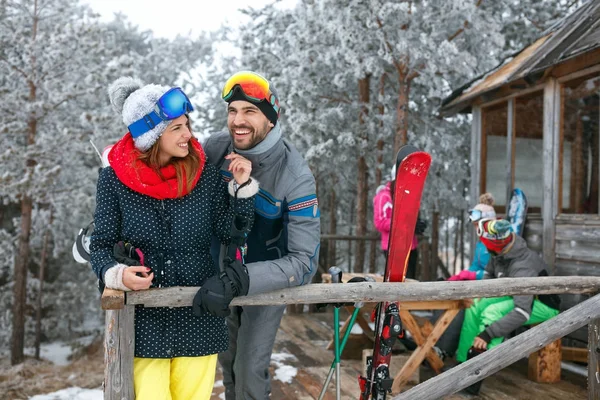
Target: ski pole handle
(336, 274)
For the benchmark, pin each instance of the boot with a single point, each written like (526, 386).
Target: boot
(474, 388)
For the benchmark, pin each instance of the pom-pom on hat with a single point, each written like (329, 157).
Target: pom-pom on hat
(133, 100)
(485, 208)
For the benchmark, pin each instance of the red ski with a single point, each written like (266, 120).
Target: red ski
(412, 166)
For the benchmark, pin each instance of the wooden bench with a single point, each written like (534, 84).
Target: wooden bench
(424, 336)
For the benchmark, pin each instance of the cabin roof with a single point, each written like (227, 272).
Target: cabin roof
(573, 35)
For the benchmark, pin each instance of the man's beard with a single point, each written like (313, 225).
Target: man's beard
(255, 136)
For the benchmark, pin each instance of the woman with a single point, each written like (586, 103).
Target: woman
(160, 196)
(483, 210)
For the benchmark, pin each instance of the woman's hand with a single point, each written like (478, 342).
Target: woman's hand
(134, 282)
(240, 167)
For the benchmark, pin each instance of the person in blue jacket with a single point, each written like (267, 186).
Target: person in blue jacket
(160, 196)
(483, 210)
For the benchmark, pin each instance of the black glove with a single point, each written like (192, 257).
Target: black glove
(217, 291)
(126, 254)
(421, 226)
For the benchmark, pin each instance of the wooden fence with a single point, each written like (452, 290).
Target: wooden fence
(120, 341)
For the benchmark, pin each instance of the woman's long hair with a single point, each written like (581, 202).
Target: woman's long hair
(190, 163)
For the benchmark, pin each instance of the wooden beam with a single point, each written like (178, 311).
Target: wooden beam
(422, 351)
(511, 114)
(505, 354)
(378, 292)
(594, 359)
(575, 354)
(544, 364)
(550, 193)
(475, 165)
(420, 337)
(119, 340)
(580, 74)
(582, 62)
(112, 299)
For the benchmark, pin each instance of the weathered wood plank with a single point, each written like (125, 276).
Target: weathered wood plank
(506, 353)
(576, 354)
(419, 336)
(578, 233)
(575, 267)
(544, 364)
(511, 114)
(551, 101)
(377, 292)
(119, 341)
(112, 299)
(594, 359)
(578, 219)
(419, 354)
(476, 154)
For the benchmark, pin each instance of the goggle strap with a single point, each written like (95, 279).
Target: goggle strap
(144, 124)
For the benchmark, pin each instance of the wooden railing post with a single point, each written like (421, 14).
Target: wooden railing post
(593, 350)
(119, 344)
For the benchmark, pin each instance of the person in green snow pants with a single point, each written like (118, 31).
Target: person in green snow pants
(489, 320)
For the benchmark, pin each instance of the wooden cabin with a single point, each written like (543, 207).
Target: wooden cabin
(535, 126)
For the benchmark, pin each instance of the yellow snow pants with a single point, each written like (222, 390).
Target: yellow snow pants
(181, 378)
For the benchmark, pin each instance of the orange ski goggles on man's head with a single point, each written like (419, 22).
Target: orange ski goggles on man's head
(254, 87)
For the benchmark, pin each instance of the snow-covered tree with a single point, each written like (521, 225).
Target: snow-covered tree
(56, 61)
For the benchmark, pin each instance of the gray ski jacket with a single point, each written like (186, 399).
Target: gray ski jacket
(283, 246)
(518, 262)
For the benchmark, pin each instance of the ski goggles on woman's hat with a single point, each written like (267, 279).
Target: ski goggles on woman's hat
(476, 215)
(254, 87)
(173, 104)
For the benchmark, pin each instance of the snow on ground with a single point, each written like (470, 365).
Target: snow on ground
(284, 373)
(73, 393)
(59, 352)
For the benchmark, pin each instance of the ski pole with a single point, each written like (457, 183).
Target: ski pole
(336, 277)
(357, 307)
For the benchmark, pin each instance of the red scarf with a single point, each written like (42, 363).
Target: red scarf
(138, 176)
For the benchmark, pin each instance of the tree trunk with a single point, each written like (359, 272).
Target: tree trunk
(22, 257)
(362, 184)
(332, 230)
(401, 137)
(456, 251)
(435, 237)
(20, 284)
(462, 241)
(352, 214)
(378, 171)
(38, 313)
(447, 240)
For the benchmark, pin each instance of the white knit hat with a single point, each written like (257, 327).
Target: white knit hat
(486, 206)
(131, 98)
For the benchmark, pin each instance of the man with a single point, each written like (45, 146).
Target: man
(283, 245)
(489, 320)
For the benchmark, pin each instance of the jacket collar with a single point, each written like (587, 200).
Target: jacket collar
(267, 152)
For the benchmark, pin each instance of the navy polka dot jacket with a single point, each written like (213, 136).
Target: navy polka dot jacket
(175, 237)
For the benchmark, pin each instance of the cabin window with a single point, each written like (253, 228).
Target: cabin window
(494, 159)
(528, 149)
(579, 144)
